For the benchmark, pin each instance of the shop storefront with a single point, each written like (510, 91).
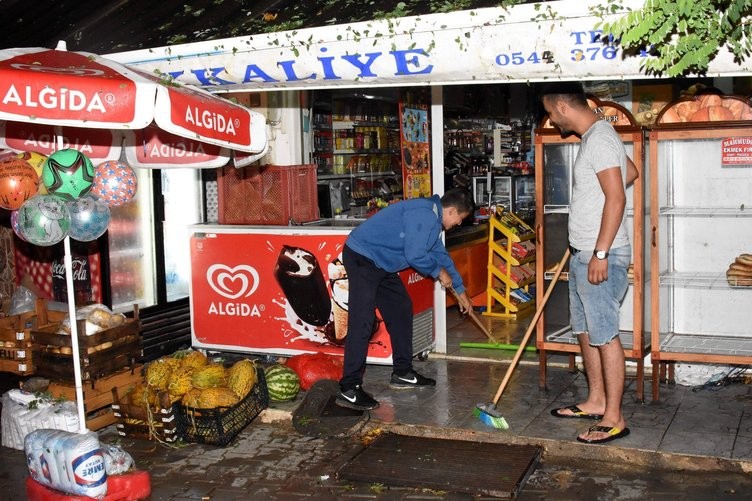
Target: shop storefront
(385, 64)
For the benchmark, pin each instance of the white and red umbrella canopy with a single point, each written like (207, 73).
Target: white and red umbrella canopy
(52, 87)
(55, 99)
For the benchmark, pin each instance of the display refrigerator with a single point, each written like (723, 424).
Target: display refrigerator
(138, 261)
(282, 290)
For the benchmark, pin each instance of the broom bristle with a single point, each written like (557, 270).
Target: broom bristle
(490, 420)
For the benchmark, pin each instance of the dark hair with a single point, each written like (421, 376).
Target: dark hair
(571, 92)
(459, 198)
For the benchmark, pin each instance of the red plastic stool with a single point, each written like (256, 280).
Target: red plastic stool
(127, 487)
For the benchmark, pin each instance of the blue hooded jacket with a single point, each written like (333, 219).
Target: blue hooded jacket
(406, 234)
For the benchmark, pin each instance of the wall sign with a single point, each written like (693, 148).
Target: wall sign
(736, 152)
(522, 43)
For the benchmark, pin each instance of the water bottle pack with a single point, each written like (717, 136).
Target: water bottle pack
(70, 462)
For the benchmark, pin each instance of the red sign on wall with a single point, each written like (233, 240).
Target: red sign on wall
(736, 152)
(280, 293)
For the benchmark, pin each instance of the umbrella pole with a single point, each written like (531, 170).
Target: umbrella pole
(68, 259)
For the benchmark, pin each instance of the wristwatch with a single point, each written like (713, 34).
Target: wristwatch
(600, 254)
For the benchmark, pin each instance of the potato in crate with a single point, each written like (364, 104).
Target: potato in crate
(212, 416)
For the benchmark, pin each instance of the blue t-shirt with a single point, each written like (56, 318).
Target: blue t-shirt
(406, 234)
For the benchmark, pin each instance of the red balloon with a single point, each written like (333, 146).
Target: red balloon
(18, 182)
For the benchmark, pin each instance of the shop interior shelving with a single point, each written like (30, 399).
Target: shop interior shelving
(555, 158)
(356, 147)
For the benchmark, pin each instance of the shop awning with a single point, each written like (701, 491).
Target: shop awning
(524, 43)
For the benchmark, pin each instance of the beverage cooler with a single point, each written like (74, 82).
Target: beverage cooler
(139, 260)
(283, 290)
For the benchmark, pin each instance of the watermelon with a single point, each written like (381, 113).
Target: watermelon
(282, 382)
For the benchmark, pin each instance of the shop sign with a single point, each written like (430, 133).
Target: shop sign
(736, 152)
(529, 42)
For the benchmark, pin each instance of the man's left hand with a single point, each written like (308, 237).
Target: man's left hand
(597, 270)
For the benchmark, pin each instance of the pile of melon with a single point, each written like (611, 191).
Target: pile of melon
(195, 381)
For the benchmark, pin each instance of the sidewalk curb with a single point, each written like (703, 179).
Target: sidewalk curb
(577, 451)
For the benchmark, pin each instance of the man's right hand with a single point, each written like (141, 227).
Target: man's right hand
(445, 279)
(463, 302)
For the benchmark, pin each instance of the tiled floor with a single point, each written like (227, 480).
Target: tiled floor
(714, 422)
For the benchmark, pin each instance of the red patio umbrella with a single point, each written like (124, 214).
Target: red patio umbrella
(42, 87)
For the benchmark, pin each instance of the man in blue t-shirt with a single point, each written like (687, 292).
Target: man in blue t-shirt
(403, 235)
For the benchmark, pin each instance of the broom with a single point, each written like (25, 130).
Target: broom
(487, 412)
(475, 319)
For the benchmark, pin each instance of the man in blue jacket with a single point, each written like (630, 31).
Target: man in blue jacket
(403, 235)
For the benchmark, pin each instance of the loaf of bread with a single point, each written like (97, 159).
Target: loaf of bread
(739, 272)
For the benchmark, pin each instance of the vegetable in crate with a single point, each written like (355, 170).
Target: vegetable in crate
(180, 381)
(211, 398)
(241, 377)
(282, 383)
(158, 372)
(209, 376)
(190, 399)
(194, 359)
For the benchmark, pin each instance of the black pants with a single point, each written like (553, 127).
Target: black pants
(370, 288)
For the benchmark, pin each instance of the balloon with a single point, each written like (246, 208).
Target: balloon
(18, 182)
(68, 174)
(89, 218)
(115, 183)
(14, 225)
(36, 160)
(44, 220)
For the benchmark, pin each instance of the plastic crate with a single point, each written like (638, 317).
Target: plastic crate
(219, 426)
(268, 194)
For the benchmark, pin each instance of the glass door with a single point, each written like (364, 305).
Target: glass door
(181, 208)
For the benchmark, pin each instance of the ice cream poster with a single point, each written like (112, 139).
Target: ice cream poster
(416, 164)
(280, 294)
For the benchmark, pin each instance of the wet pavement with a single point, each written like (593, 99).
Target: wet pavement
(691, 444)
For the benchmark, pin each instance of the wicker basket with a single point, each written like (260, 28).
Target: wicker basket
(219, 426)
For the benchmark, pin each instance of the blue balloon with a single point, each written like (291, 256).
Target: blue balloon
(89, 218)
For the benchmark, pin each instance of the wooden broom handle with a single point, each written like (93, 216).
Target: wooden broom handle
(531, 327)
(475, 319)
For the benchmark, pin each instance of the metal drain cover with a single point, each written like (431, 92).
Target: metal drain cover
(499, 470)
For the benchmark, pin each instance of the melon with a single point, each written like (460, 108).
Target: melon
(282, 382)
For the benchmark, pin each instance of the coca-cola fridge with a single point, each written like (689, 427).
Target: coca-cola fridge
(139, 260)
(283, 291)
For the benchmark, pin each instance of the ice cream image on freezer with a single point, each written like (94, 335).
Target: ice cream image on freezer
(340, 295)
(299, 275)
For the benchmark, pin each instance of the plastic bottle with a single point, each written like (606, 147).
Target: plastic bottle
(84, 463)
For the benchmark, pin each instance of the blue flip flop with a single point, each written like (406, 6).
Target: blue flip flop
(612, 431)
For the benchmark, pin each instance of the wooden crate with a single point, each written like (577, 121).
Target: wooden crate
(15, 330)
(20, 367)
(98, 396)
(134, 421)
(100, 354)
